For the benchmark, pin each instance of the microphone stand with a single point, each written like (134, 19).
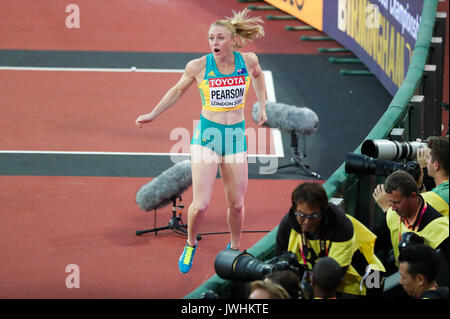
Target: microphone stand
(175, 223)
(296, 158)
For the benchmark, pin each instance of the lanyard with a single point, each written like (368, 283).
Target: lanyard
(424, 208)
(323, 248)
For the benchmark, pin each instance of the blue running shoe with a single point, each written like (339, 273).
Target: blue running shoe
(186, 258)
(229, 247)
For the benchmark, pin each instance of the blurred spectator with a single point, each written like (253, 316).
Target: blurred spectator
(327, 277)
(419, 268)
(287, 279)
(262, 289)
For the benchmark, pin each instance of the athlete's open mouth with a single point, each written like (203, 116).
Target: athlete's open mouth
(216, 50)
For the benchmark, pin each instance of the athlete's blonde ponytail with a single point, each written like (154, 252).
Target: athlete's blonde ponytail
(247, 29)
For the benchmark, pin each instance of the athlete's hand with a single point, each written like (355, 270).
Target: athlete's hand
(262, 117)
(143, 119)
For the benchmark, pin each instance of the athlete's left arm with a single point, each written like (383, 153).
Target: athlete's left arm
(259, 84)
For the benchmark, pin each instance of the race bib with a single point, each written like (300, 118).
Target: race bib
(227, 92)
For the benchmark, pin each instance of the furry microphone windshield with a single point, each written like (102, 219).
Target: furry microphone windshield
(288, 118)
(160, 191)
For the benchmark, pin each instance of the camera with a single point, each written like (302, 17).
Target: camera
(410, 238)
(243, 267)
(391, 150)
(361, 164)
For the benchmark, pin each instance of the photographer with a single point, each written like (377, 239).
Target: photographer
(314, 228)
(434, 161)
(419, 268)
(409, 212)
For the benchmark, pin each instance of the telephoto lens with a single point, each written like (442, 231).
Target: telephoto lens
(391, 150)
(240, 266)
(364, 165)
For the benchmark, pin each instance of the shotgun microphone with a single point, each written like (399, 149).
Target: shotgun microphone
(161, 190)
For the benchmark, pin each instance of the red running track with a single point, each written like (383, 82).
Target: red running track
(47, 223)
(134, 25)
(96, 111)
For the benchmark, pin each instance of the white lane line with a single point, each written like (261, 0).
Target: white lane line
(111, 153)
(277, 140)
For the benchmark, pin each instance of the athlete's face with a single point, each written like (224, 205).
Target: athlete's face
(220, 40)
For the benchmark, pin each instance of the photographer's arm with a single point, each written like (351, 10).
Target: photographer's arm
(428, 181)
(379, 195)
(283, 233)
(383, 242)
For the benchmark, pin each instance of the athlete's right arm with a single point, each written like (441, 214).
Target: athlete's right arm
(189, 76)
